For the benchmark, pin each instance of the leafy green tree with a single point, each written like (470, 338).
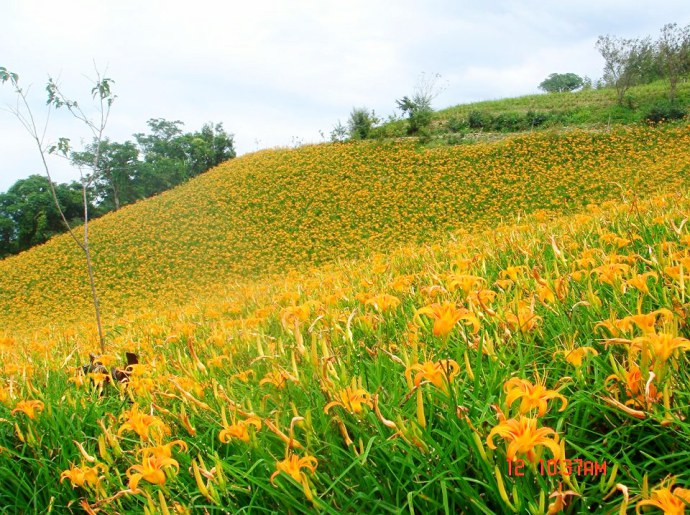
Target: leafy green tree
(170, 156)
(361, 122)
(29, 215)
(117, 168)
(625, 62)
(418, 111)
(7, 231)
(674, 54)
(206, 148)
(561, 82)
(339, 133)
(163, 159)
(418, 107)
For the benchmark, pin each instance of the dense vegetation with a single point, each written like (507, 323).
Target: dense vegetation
(126, 172)
(372, 326)
(254, 215)
(397, 383)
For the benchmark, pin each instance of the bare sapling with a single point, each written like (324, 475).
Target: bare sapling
(103, 97)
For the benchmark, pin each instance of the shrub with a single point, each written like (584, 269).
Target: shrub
(456, 124)
(455, 138)
(535, 119)
(478, 120)
(361, 122)
(508, 122)
(419, 112)
(665, 111)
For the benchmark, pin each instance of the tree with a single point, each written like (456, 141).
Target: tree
(562, 82)
(29, 216)
(206, 148)
(674, 54)
(116, 168)
(171, 157)
(102, 95)
(418, 107)
(361, 122)
(624, 62)
(339, 133)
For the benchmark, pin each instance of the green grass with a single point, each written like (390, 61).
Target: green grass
(585, 109)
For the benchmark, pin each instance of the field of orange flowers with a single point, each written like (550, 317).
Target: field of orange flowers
(278, 210)
(534, 366)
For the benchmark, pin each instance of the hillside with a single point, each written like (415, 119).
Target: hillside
(278, 210)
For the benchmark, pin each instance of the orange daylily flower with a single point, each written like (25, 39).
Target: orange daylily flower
(163, 451)
(645, 322)
(292, 465)
(575, 355)
(151, 470)
(524, 319)
(244, 375)
(353, 399)
(142, 424)
(402, 282)
(383, 302)
(524, 437)
(659, 346)
(559, 499)
(639, 281)
(292, 316)
(610, 273)
(545, 294)
(532, 395)
(672, 502)
(277, 378)
(446, 315)
(513, 272)
(84, 475)
(587, 258)
(437, 373)
(239, 430)
(640, 393)
(30, 408)
(465, 282)
(78, 377)
(504, 284)
(663, 345)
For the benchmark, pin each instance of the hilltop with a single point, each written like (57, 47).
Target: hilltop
(586, 109)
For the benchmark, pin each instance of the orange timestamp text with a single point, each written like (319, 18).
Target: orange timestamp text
(553, 467)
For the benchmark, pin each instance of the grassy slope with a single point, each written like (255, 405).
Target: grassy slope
(277, 210)
(591, 108)
(595, 106)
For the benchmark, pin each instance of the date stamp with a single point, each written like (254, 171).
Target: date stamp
(554, 467)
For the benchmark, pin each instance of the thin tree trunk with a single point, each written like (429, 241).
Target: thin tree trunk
(89, 268)
(55, 97)
(116, 197)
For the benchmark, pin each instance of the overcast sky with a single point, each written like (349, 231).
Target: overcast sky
(278, 72)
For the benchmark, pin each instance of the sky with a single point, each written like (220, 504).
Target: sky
(283, 73)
